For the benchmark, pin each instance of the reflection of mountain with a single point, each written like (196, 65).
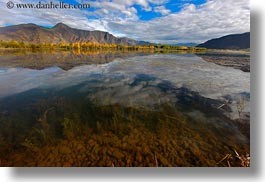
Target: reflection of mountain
(235, 41)
(60, 33)
(65, 60)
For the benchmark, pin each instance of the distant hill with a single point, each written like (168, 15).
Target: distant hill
(235, 41)
(32, 33)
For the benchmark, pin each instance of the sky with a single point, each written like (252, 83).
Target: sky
(156, 21)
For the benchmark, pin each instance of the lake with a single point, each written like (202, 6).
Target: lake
(62, 108)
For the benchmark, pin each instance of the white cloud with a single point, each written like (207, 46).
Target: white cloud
(193, 23)
(162, 10)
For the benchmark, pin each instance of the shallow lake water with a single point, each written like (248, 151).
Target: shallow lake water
(121, 109)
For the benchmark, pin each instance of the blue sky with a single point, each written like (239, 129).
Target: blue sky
(158, 21)
(155, 9)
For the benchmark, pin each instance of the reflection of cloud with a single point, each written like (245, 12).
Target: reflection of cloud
(191, 71)
(193, 23)
(135, 90)
(122, 81)
(17, 80)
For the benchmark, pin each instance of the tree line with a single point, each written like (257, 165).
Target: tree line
(94, 46)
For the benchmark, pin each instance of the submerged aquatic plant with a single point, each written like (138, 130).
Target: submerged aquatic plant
(228, 158)
(245, 159)
(91, 135)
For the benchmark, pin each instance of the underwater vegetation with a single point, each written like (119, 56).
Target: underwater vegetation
(72, 132)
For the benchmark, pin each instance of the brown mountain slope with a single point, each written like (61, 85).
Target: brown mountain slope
(32, 33)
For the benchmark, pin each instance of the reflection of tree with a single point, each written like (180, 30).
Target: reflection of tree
(65, 59)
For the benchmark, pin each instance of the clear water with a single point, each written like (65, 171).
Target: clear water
(113, 94)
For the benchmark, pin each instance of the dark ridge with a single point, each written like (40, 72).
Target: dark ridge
(235, 41)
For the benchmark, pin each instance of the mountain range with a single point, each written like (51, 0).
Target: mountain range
(234, 41)
(60, 33)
